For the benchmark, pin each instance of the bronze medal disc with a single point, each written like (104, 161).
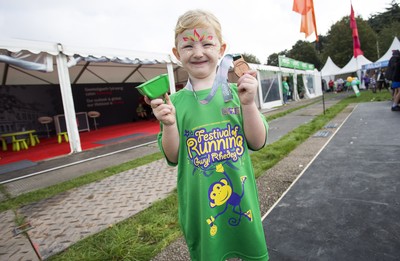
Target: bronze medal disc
(240, 66)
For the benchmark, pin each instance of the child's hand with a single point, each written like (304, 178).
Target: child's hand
(163, 111)
(247, 87)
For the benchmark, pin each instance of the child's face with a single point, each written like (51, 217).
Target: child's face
(199, 50)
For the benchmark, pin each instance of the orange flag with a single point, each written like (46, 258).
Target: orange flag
(306, 9)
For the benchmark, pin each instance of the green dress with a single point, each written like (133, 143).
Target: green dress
(217, 193)
(285, 87)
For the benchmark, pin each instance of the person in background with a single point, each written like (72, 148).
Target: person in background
(366, 80)
(340, 83)
(372, 82)
(394, 64)
(141, 112)
(208, 138)
(381, 80)
(331, 84)
(285, 90)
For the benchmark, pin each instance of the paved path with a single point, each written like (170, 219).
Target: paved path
(60, 221)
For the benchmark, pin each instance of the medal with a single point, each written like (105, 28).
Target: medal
(240, 66)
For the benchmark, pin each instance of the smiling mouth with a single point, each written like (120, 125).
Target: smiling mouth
(199, 62)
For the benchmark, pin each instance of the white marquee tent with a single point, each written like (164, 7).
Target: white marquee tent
(361, 63)
(329, 71)
(354, 65)
(384, 60)
(32, 62)
(330, 68)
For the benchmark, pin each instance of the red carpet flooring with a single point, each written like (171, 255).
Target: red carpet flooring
(50, 148)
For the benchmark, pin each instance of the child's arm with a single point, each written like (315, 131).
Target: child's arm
(253, 125)
(165, 113)
(170, 142)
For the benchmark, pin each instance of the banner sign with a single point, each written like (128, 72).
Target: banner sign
(294, 64)
(116, 102)
(375, 65)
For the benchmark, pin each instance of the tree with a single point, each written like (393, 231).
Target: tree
(339, 44)
(250, 58)
(319, 46)
(305, 52)
(368, 40)
(381, 20)
(273, 58)
(386, 36)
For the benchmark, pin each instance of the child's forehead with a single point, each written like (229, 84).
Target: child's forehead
(197, 35)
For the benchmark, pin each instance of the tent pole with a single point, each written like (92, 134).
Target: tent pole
(68, 102)
(171, 78)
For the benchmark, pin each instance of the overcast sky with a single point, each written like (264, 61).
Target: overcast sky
(258, 27)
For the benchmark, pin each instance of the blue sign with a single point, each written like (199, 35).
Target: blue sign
(375, 65)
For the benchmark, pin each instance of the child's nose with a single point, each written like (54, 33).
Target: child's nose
(198, 50)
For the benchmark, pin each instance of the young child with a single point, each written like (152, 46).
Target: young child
(210, 141)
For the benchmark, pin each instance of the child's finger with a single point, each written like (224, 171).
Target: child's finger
(147, 100)
(252, 73)
(167, 99)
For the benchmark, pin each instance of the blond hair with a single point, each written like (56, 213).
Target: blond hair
(197, 19)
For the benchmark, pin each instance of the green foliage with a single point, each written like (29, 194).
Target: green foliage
(250, 58)
(386, 36)
(305, 52)
(273, 59)
(338, 37)
(340, 41)
(381, 20)
(319, 46)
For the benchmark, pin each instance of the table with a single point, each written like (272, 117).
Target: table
(13, 135)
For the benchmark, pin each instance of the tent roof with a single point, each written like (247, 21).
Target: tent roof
(355, 64)
(384, 60)
(128, 65)
(36, 47)
(330, 68)
(394, 46)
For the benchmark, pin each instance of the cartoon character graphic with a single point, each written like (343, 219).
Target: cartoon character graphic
(221, 193)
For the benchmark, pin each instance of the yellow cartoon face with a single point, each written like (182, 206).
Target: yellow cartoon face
(219, 193)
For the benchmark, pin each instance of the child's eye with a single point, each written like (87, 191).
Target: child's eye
(208, 45)
(188, 46)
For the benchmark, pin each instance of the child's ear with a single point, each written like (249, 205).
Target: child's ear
(222, 50)
(176, 53)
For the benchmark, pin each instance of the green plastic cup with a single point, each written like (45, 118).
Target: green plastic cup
(154, 88)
